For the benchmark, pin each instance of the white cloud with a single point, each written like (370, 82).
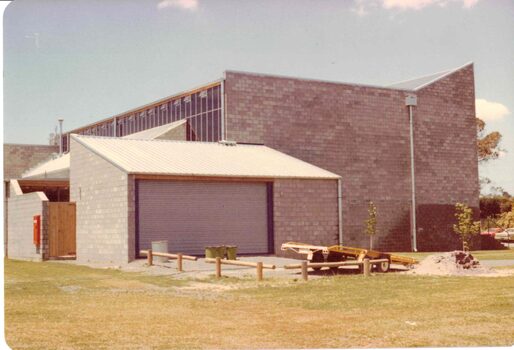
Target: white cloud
(361, 6)
(190, 5)
(469, 3)
(488, 110)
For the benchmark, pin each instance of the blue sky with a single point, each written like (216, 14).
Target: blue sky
(87, 60)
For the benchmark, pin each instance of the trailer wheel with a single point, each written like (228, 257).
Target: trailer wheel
(317, 257)
(383, 266)
(334, 257)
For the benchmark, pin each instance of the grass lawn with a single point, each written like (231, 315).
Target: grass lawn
(504, 254)
(54, 305)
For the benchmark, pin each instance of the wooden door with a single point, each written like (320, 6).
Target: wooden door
(61, 229)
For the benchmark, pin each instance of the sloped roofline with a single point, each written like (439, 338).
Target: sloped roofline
(440, 75)
(81, 139)
(444, 74)
(149, 105)
(281, 76)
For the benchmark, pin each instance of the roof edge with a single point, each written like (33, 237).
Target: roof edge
(333, 178)
(149, 105)
(78, 139)
(168, 128)
(47, 173)
(333, 175)
(263, 75)
(449, 72)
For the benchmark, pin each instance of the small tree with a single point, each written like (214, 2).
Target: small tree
(506, 219)
(465, 226)
(371, 222)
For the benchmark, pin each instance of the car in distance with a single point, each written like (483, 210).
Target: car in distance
(492, 231)
(506, 235)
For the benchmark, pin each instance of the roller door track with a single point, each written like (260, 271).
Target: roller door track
(193, 215)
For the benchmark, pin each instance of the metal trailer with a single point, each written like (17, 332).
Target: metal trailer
(337, 253)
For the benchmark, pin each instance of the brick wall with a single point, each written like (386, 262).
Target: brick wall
(445, 157)
(362, 134)
(101, 191)
(19, 158)
(305, 211)
(22, 209)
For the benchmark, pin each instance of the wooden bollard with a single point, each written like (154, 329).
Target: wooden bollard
(305, 275)
(366, 266)
(218, 267)
(149, 257)
(259, 271)
(179, 262)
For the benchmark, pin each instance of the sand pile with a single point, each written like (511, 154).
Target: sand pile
(457, 263)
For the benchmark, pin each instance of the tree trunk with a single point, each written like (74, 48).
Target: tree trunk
(370, 242)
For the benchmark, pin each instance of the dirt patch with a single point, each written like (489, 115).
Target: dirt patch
(129, 285)
(69, 289)
(457, 263)
(198, 286)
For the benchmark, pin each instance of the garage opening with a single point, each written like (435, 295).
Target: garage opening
(191, 215)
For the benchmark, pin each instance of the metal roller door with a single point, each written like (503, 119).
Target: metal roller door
(193, 215)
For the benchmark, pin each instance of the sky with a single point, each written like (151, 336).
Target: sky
(88, 60)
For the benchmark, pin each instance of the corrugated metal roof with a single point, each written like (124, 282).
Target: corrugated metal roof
(154, 133)
(187, 158)
(57, 168)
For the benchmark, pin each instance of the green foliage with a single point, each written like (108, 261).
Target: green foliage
(465, 227)
(371, 222)
(488, 145)
(506, 220)
(495, 205)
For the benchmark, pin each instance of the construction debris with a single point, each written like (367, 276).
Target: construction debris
(456, 263)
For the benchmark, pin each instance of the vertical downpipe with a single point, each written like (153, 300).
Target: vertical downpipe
(411, 101)
(223, 109)
(60, 136)
(340, 210)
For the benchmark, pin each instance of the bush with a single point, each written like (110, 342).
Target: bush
(506, 220)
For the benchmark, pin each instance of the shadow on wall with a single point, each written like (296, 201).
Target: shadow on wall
(393, 225)
(435, 228)
(398, 237)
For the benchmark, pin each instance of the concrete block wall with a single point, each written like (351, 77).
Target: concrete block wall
(18, 158)
(100, 191)
(305, 211)
(362, 133)
(445, 157)
(22, 209)
(358, 132)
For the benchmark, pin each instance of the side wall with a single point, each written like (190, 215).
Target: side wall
(445, 157)
(305, 211)
(362, 134)
(101, 192)
(22, 209)
(19, 158)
